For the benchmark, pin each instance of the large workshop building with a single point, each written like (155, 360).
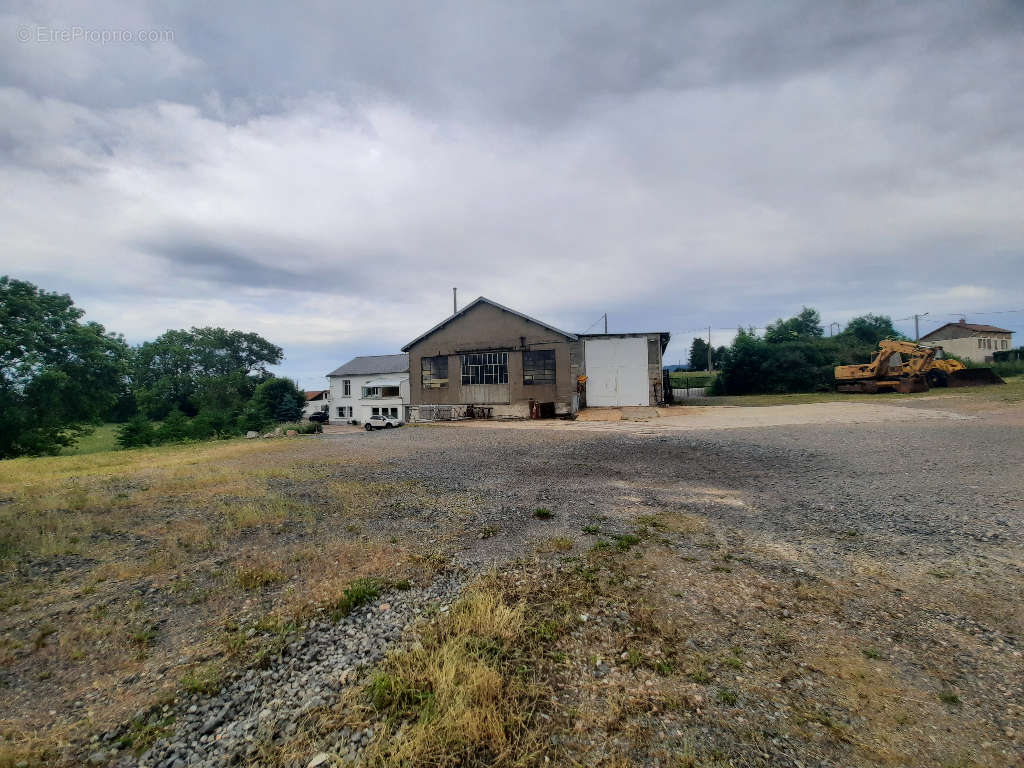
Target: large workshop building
(503, 364)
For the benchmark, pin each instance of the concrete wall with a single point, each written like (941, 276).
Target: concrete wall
(486, 328)
(362, 408)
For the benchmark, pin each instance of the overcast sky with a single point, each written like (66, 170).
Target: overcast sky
(324, 173)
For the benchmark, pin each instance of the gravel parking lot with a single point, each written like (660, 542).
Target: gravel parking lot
(826, 591)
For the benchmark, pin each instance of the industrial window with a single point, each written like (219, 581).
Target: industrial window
(485, 368)
(434, 372)
(539, 366)
(346, 387)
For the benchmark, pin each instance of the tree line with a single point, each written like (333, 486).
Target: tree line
(793, 355)
(60, 376)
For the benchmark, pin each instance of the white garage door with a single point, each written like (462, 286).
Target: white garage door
(617, 371)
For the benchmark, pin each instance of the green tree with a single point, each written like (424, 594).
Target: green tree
(278, 400)
(699, 354)
(58, 375)
(871, 329)
(215, 367)
(805, 325)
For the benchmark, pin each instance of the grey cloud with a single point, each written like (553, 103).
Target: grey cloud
(673, 164)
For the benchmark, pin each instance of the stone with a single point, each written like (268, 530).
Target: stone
(97, 758)
(292, 433)
(321, 758)
(251, 434)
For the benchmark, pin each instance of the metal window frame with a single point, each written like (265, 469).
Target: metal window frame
(484, 368)
(534, 367)
(430, 377)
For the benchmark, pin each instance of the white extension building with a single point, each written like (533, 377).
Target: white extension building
(370, 385)
(316, 401)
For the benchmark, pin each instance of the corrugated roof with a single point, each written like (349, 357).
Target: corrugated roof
(976, 327)
(485, 300)
(371, 364)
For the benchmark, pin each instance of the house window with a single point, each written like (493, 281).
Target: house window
(341, 411)
(1002, 344)
(434, 372)
(981, 343)
(485, 368)
(376, 411)
(346, 387)
(988, 343)
(539, 366)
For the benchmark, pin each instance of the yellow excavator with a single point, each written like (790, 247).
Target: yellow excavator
(923, 368)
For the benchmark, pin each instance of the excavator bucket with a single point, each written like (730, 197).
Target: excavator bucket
(912, 384)
(973, 377)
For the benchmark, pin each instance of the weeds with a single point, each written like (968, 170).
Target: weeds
(204, 680)
(626, 541)
(357, 593)
(258, 577)
(542, 513)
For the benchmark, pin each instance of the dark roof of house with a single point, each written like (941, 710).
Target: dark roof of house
(371, 364)
(484, 300)
(313, 394)
(976, 327)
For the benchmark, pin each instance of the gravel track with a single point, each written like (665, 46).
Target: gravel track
(891, 493)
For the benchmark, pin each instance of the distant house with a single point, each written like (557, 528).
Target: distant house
(495, 362)
(369, 386)
(970, 341)
(316, 400)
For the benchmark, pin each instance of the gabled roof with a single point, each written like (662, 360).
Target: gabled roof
(370, 364)
(313, 394)
(976, 327)
(484, 300)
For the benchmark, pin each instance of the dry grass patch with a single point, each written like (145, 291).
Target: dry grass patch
(458, 698)
(149, 562)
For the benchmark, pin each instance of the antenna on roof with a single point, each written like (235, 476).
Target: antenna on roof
(455, 301)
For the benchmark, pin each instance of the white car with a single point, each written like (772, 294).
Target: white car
(382, 422)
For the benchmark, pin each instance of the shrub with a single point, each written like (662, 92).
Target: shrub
(136, 432)
(174, 429)
(211, 423)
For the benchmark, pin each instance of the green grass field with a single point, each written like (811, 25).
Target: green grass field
(103, 438)
(681, 379)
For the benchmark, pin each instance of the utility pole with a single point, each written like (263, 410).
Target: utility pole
(917, 328)
(455, 301)
(606, 322)
(709, 349)
(830, 327)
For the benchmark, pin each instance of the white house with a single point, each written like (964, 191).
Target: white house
(370, 385)
(970, 341)
(316, 401)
